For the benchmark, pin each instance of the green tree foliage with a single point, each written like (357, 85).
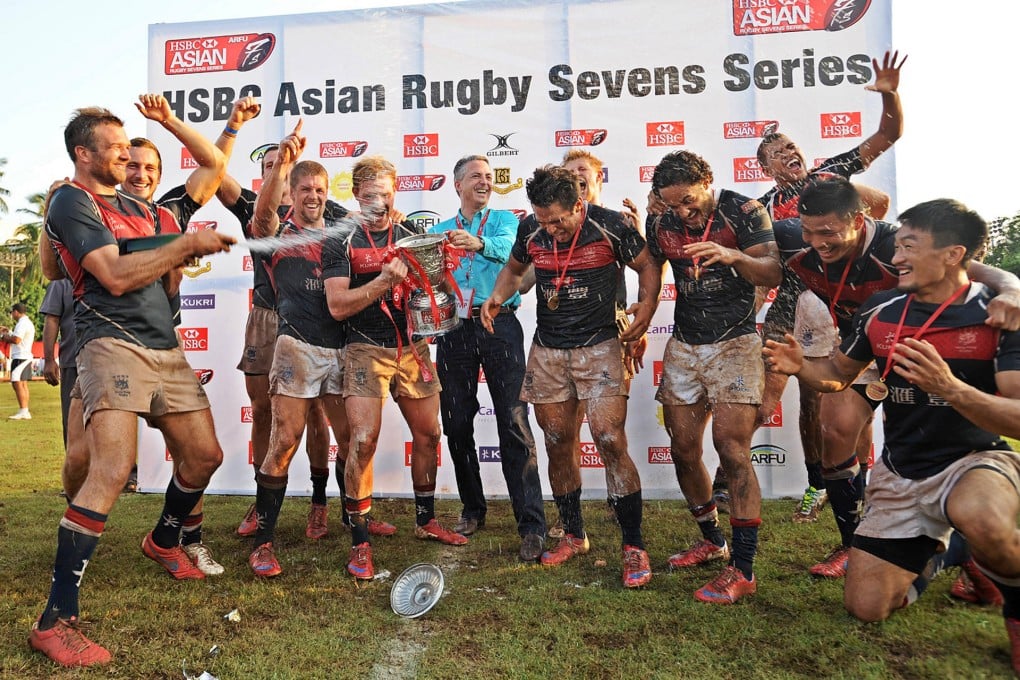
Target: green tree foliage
(4, 193)
(1004, 244)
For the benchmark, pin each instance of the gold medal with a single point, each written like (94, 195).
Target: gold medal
(553, 302)
(876, 390)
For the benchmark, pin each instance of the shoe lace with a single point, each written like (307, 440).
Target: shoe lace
(632, 560)
(361, 554)
(808, 501)
(73, 638)
(724, 580)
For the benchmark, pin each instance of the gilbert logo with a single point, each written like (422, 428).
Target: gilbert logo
(586, 137)
(246, 414)
(238, 52)
(407, 454)
(590, 457)
(776, 419)
(748, 129)
(845, 124)
(195, 339)
(664, 133)
(656, 373)
(748, 169)
(420, 182)
(645, 173)
(204, 375)
(188, 161)
(502, 147)
(200, 225)
(421, 145)
(659, 455)
(342, 149)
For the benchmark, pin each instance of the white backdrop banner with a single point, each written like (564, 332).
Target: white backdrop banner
(521, 81)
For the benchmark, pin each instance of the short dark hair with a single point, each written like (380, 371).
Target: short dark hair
(143, 143)
(680, 167)
(458, 167)
(81, 130)
(307, 169)
(829, 196)
(950, 223)
(553, 184)
(765, 141)
(19, 307)
(262, 159)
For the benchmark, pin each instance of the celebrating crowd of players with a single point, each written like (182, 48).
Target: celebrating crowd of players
(907, 317)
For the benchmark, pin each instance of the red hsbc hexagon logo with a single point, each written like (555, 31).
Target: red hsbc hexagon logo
(590, 457)
(841, 124)
(748, 169)
(664, 133)
(188, 161)
(421, 145)
(776, 419)
(195, 339)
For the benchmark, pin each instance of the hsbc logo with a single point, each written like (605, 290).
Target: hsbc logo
(198, 301)
(656, 373)
(645, 173)
(195, 339)
(842, 124)
(664, 133)
(407, 454)
(420, 182)
(776, 419)
(421, 145)
(489, 454)
(659, 455)
(188, 161)
(342, 149)
(586, 137)
(200, 225)
(246, 414)
(590, 457)
(668, 293)
(204, 375)
(748, 169)
(239, 52)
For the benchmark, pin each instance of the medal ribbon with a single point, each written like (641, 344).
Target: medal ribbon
(471, 255)
(558, 281)
(922, 329)
(704, 237)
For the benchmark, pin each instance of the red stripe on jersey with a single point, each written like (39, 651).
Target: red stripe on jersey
(366, 260)
(590, 256)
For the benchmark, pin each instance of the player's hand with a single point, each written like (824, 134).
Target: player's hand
(1004, 311)
(711, 252)
(207, 242)
(642, 314)
(396, 216)
(887, 76)
(51, 372)
(293, 145)
(634, 354)
(655, 204)
(394, 271)
(490, 310)
(920, 364)
(244, 109)
(631, 215)
(154, 107)
(784, 357)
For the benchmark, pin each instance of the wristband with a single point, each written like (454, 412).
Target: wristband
(227, 130)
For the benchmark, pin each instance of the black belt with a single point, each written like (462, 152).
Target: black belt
(475, 311)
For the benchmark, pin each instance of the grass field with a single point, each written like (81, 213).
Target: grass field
(497, 618)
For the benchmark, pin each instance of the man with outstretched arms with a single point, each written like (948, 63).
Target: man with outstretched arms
(129, 364)
(949, 383)
(844, 257)
(359, 273)
(308, 357)
(487, 235)
(576, 359)
(720, 247)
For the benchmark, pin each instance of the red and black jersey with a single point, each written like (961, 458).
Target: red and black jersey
(296, 274)
(586, 310)
(360, 260)
(79, 222)
(716, 304)
(871, 270)
(782, 202)
(923, 433)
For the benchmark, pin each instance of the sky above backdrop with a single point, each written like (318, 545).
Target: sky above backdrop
(958, 88)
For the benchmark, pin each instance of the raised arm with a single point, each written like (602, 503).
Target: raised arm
(212, 164)
(229, 191)
(890, 127)
(266, 221)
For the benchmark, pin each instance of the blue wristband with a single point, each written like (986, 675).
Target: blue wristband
(230, 131)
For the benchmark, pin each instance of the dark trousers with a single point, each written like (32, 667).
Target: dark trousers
(501, 356)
